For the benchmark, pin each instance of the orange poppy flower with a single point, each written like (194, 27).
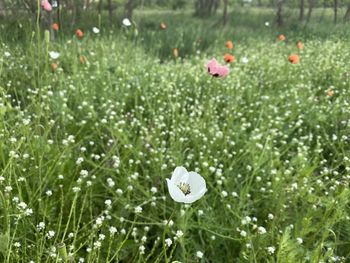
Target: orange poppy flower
(163, 26)
(79, 33)
(54, 66)
(175, 52)
(55, 26)
(294, 59)
(82, 59)
(281, 38)
(229, 44)
(300, 45)
(229, 58)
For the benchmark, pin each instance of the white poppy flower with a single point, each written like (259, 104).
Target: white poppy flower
(186, 187)
(245, 60)
(54, 54)
(267, 23)
(95, 30)
(126, 22)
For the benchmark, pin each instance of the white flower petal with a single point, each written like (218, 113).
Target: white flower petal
(194, 197)
(54, 54)
(196, 182)
(126, 22)
(175, 192)
(179, 175)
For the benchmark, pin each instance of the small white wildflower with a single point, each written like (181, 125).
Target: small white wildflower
(54, 55)
(76, 189)
(179, 233)
(138, 209)
(199, 254)
(8, 189)
(22, 205)
(40, 226)
(261, 230)
(271, 250)
(142, 249)
(28, 212)
(17, 244)
(79, 161)
(113, 230)
(168, 242)
(108, 203)
(50, 234)
(97, 244)
(246, 220)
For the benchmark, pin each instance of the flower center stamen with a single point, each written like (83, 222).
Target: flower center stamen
(185, 188)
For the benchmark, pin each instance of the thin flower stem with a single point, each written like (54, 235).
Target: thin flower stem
(116, 254)
(172, 251)
(164, 232)
(69, 217)
(109, 249)
(152, 251)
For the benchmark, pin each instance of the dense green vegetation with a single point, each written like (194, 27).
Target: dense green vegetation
(88, 139)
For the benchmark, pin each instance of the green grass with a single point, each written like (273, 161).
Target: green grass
(268, 135)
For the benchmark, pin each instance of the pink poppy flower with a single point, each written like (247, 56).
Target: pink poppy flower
(46, 5)
(217, 70)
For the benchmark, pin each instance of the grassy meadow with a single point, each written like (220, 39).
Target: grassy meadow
(88, 138)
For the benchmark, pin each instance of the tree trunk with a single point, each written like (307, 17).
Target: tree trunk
(129, 9)
(205, 8)
(309, 12)
(301, 13)
(279, 15)
(110, 12)
(335, 11)
(225, 12)
(100, 6)
(347, 14)
(2, 8)
(87, 4)
(59, 14)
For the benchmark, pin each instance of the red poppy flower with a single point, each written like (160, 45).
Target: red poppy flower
(55, 26)
(294, 59)
(79, 33)
(229, 58)
(229, 44)
(281, 38)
